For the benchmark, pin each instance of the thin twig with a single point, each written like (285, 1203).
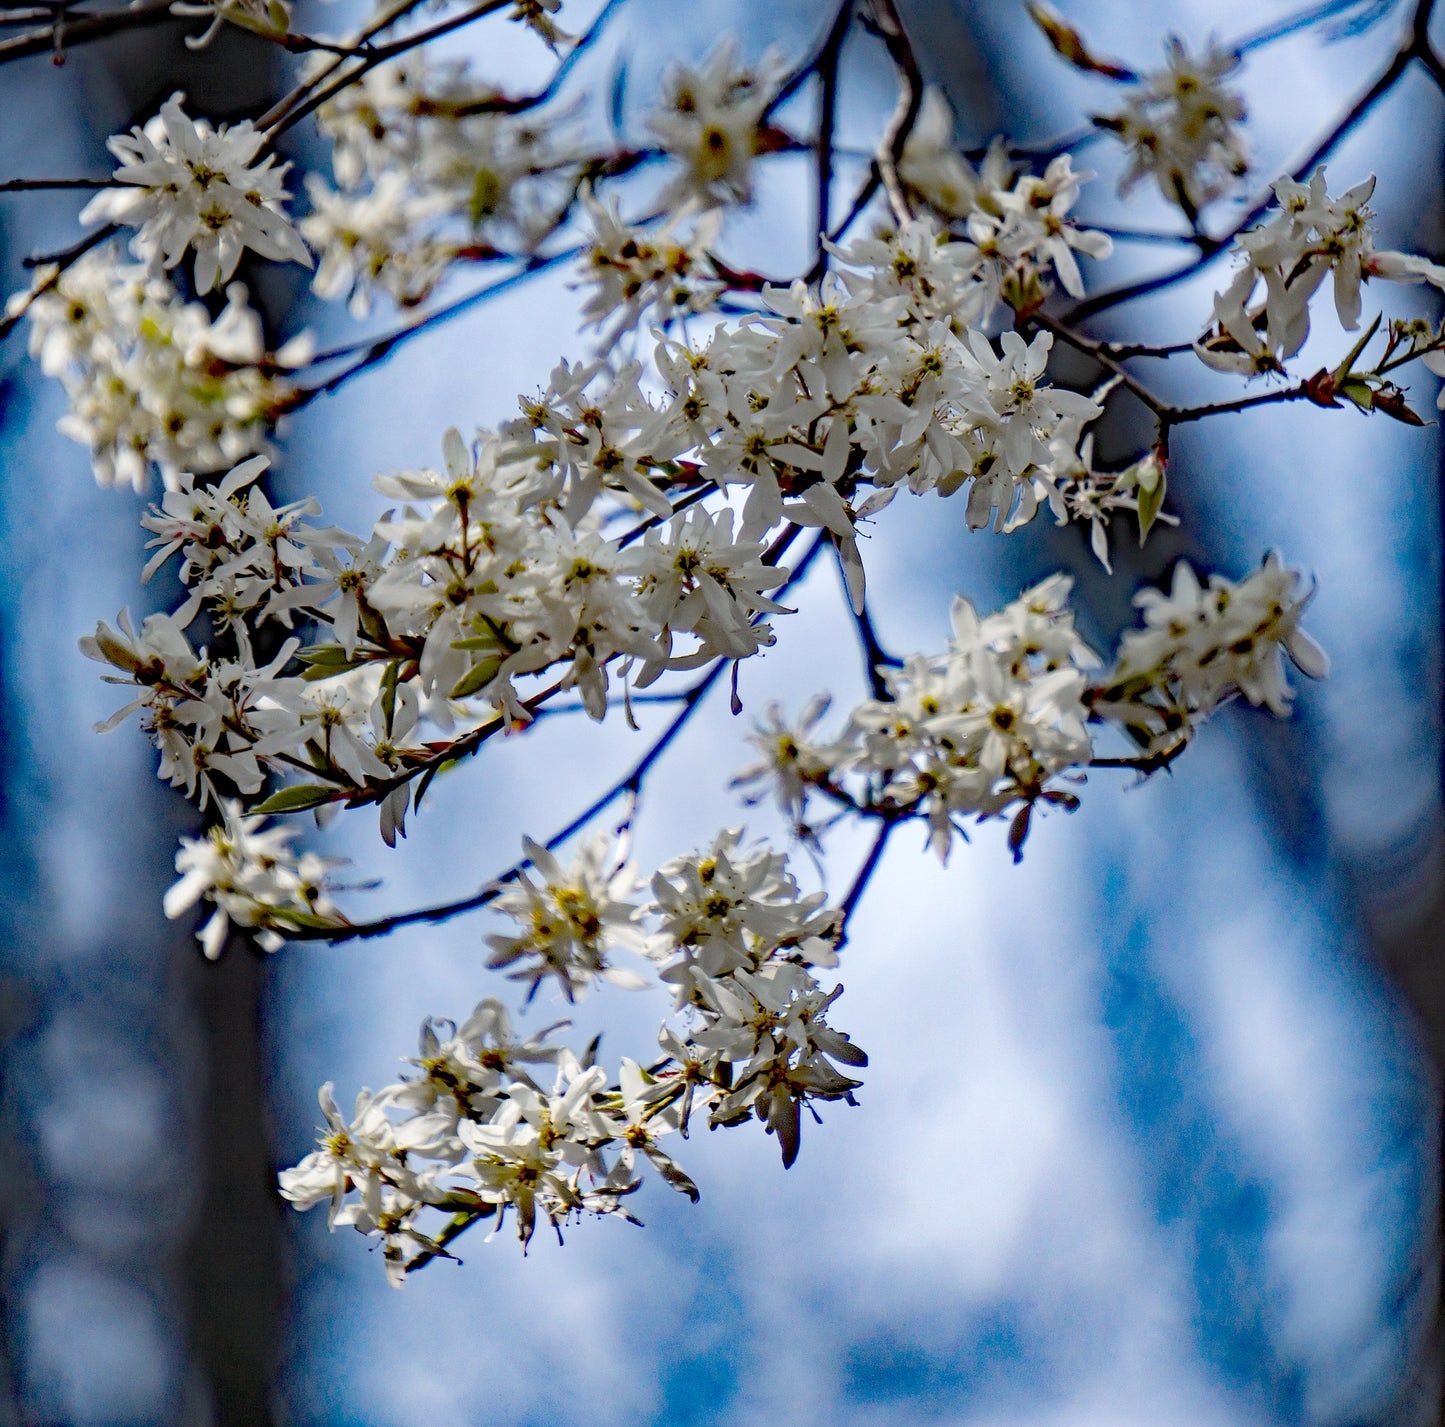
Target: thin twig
(81, 29)
(910, 97)
(827, 65)
(1100, 353)
(32, 185)
(629, 784)
(875, 657)
(864, 875)
(377, 349)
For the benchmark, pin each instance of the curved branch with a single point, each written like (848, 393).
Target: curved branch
(630, 784)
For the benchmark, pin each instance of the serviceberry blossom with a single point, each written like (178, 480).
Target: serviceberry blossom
(997, 722)
(254, 878)
(537, 16)
(639, 273)
(1016, 225)
(187, 185)
(986, 726)
(935, 174)
(1180, 126)
(732, 907)
(349, 1155)
(154, 382)
(1202, 643)
(475, 1136)
(644, 519)
(271, 18)
(430, 170)
(570, 920)
(709, 122)
(791, 761)
(1307, 237)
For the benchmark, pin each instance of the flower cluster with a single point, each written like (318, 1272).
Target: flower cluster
(508, 565)
(152, 380)
(640, 519)
(484, 584)
(1307, 237)
(475, 1135)
(255, 879)
(430, 168)
(972, 732)
(640, 274)
(1016, 224)
(570, 920)
(1179, 125)
(1202, 643)
(187, 185)
(710, 123)
(992, 724)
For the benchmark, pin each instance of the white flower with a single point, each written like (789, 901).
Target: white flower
(1179, 127)
(635, 271)
(709, 123)
(1305, 238)
(570, 919)
(154, 381)
(1035, 223)
(1200, 644)
(346, 1155)
(191, 186)
(254, 878)
(932, 168)
(791, 764)
(731, 907)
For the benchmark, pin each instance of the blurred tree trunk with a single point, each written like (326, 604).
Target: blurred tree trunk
(234, 1260)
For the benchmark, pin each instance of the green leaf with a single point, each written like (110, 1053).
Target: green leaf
(326, 654)
(325, 661)
(296, 798)
(1357, 390)
(1343, 370)
(486, 194)
(282, 917)
(388, 693)
(477, 677)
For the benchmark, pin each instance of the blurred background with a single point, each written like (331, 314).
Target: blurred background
(1150, 1132)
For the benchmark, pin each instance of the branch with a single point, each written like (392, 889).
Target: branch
(864, 876)
(1210, 248)
(68, 30)
(502, 104)
(31, 185)
(377, 349)
(1101, 353)
(1179, 415)
(9, 321)
(1169, 416)
(910, 97)
(875, 657)
(284, 106)
(827, 62)
(1289, 25)
(1144, 763)
(629, 784)
(369, 58)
